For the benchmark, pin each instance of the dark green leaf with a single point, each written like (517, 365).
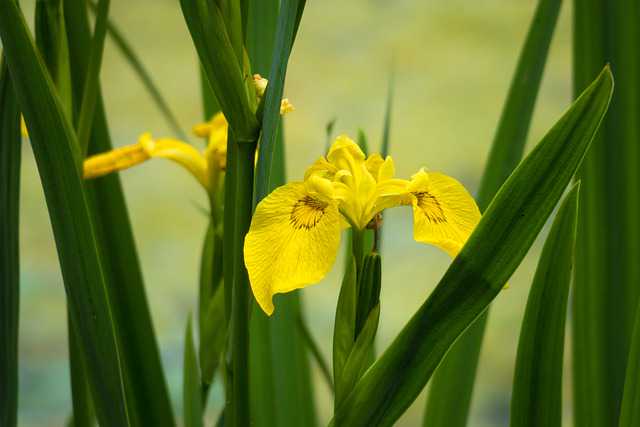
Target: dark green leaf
(606, 291)
(92, 77)
(630, 412)
(450, 392)
(344, 330)
(478, 273)
(212, 339)
(10, 153)
(359, 358)
(237, 218)
(368, 289)
(54, 145)
(191, 382)
(537, 386)
(83, 413)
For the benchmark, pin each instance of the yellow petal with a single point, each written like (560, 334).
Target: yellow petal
(444, 213)
(131, 155)
(180, 152)
(292, 242)
(115, 160)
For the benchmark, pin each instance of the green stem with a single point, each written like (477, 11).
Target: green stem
(357, 246)
(238, 208)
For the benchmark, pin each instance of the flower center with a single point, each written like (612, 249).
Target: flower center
(307, 213)
(431, 207)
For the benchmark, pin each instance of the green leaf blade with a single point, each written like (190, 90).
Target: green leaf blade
(191, 400)
(10, 157)
(630, 411)
(478, 273)
(451, 388)
(537, 389)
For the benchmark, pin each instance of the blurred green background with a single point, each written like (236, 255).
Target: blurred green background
(453, 62)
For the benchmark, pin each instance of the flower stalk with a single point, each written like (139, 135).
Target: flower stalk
(238, 209)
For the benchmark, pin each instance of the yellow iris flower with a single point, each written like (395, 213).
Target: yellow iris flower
(295, 232)
(206, 165)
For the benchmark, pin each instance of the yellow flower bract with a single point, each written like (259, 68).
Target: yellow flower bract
(295, 232)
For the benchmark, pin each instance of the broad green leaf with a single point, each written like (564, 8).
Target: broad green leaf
(237, 218)
(630, 411)
(146, 387)
(606, 291)
(54, 145)
(10, 153)
(344, 330)
(191, 402)
(476, 276)
(536, 399)
(210, 104)
(83, 413)
(224, 72)
(450, 391)
(358, 359)
(368, 289)
(212, 339)
(92, 76)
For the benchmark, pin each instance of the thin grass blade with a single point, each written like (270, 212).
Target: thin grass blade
(476, 276)
(536, 400)
(10, 157)
(191, 401)
(451, 389)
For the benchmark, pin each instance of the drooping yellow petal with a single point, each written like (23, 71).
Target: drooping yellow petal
(115, 160)
(180, 152)
(444, 213)
(131, 155)
(292, 242)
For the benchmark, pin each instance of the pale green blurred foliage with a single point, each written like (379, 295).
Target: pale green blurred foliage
(453, 62)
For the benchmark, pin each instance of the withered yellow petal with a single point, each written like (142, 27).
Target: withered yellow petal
(444, 213)
(292, 242)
